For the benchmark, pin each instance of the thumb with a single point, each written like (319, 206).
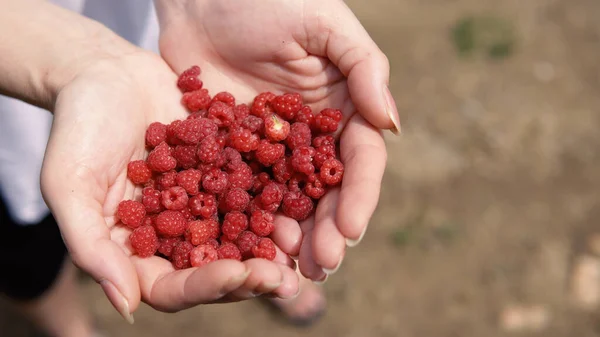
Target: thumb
(87, 238)
(351, 49)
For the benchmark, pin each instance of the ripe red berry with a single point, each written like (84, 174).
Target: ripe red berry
(265, 249)
(189, 80)
(131, 213)
(276, 129)
(236, 199)
(144, 241)
(305, 115)
(302, 159)
(268, 153)
(170, 223)
(196, 100)
(156, 133)
(260, 181)
(186, 156)
(243, 140)
(241, 111)
(215, 181)
(327, 120)
(209, 150)
(241, 177)
(160, 159)
(332, 172)
(213, 242)
(198, 114)
(245, 241)
(138, 172)
(172, 139)
(287, 105)
(297, 182)
(234, 223)
(271, 197)
(221, 113)
(325, 149)
(166, 180)
(203, 205)
(203, 255)
(283, 170)
(192, 131)
(261, 223)
(296, 205)
(167, 244)
(314, 187)
(300, 135)
(229, 251)
(181, 255)
(229, 159)
(189, 180)
(261, 106)
(224, 97)
(151, 200)
(175, 198)
(200, 231)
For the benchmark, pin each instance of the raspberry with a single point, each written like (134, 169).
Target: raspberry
(171, 136)
(236, 199)
(222, 137)
(167, 244)
(198, 114)
(287, 105)
(151, 200)
(305, 115)
(205, 168)
(245, 242)
(229, 159)
(254, 124)
(271, 197)
(260, 181)
(243, 140)
(327, 120)
(171, 223)
(254, 206)
(325, 149)
(299, 136)
(196, 100)
(261, 223)
(156, 133)
(229, 251)
(189, 80)
(175, 198)
(224, 97)
(241, 111)
(200, 231)
(332, 171)
(181, 254)
(131, 213)
(185, 156)
(297, 205)
(221, 113)
(265, 249)
(297, 182)
(203, 255)
(138, 172)
(314, 187)
(261, 106)
(267, 153)
(166, 180)
(187, 214)
(215, 181)
(276, 129)
(203, 204)
(241, 177)
(283, 170)
(208, 150)
(213, 243)
(160, 159)
(144, 241)
(148, 221)
(189, 180)
(192, 131)
(302, 159)
(233, 224)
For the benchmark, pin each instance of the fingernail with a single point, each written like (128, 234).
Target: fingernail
(353, 243)
(334, 270)
(391, 110)
(117, 299)
(322, 281)
(240, 278)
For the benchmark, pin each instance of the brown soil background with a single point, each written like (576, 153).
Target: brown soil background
(489, 197)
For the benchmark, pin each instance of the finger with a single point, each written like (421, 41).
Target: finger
(287, 234)
(306, 262)
(328, 244)
(266, 278)
(284, 259)
(363, 153)
(338, 34)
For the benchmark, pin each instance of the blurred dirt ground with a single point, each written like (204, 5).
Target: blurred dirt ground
(491, 198)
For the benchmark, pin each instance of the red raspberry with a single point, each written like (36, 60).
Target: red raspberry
(138, 172)
(213, 242)
(151, 200)
(148, 221)
(271, 197)
(314, 187)
(229, 159)
(297, 182)
(209, 150)
(181, 255)
(198, 114)
(187, 214)
(144, 241)
(243, 140)
(254, 206)
(297, 205)
(224, 97)
(189, 180)
(167, 245)
(265, 249)
(241, 111)
(156, 133)
(332, 172)
(268, 153)
(299, 136)
(260, 181)
(196, 100)
(175, 198)
(327, 120)
(171, 223)
(245, 242)
(203, 204)
(215, 181)
(203, 255)
(276, 129)
(229, 251)
(261, 223)
(241, 177)
(205, 168)
(233, 224)
(222, 114)
(160, 159)
(287, 105)
(222, 137)
(261, 106)
(302, 159)
(236, 199)
(192, 131)
(189, 80)
(185, 156)
(254, 124)
(166, 180)
(200, 231)
(283, 170)
(325, 149)
(305, 115)
(131, 213)
(171, 135)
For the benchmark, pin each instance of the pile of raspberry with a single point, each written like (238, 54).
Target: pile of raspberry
(213, 182)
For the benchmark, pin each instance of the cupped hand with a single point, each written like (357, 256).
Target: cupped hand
(99, 126)
(314, 47)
